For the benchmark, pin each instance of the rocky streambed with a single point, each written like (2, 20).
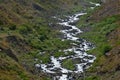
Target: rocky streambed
(79, 48)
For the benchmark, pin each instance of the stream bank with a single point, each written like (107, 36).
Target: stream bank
(78, 48)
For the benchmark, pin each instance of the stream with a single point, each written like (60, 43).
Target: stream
(79, 48)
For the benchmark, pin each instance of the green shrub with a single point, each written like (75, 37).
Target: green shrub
(68, 64)
(58, 54)
(1, 23)
(22, 75)
(44, 58)
(24, 29)
(106, 48)
(92, 78)
(12, 27)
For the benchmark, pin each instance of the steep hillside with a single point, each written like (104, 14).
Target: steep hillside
(27, 30)
(109, 8)
(104, 31)
(17, 11)
(24, 32)
(110, 68)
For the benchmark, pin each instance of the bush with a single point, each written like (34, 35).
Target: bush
(24, 29)
(23, 75)
(12, 27)
(68, 64)
(92, 78)
(1, 23)
(106, 48)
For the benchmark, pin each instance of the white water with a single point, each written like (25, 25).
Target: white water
(79, 49)
(63, 77)
(96, 5)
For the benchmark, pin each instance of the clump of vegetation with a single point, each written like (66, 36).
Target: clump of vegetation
(12, 27)
(68, 63)
(92, 78)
